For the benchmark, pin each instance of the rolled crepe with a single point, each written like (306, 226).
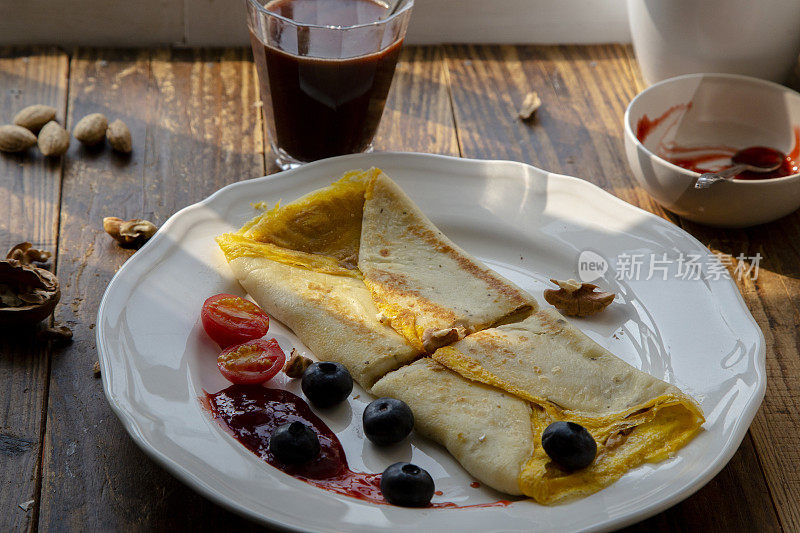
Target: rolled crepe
(487, 430)
(333, 314)
(430, 290)
(633, 416)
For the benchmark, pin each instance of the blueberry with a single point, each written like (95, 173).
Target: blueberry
(407, 485)
(569, 444)
(293, 443)
(325, 384)
(387, 421)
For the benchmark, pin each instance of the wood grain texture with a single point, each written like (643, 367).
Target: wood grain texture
(774, 300)
(30, 186)
(737, 499)
(584, 92)
(578, 131)
(190, 115)
(418, 116)
(193, 112)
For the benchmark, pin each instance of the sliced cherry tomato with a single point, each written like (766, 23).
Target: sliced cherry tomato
(230, 320)
(252, 362)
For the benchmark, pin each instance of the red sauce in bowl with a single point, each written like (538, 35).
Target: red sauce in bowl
(714, 158)
(755, 155)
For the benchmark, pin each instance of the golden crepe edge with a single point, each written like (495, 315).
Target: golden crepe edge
(646, 431)
(326, 221)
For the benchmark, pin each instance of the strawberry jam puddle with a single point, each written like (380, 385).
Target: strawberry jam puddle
(251, 412)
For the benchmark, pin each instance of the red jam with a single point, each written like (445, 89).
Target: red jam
(645, 125)
(715, 158)
(754, 155)
(251, 412)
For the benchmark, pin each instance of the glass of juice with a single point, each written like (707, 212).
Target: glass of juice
(324, 68)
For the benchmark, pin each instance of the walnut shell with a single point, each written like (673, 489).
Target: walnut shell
(296, 365)
(129, 233)
(28, 294)
(531, 103)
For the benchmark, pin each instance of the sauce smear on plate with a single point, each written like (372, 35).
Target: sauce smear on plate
(251, 412)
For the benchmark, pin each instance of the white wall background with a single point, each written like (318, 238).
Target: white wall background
(125, 23)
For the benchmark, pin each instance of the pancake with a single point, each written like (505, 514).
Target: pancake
(332, 313)
(427, 288)
(488, 431)
(633, 416)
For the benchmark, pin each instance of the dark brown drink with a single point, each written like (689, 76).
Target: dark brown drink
(323, 105)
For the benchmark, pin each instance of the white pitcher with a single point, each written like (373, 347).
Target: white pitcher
(759, 38)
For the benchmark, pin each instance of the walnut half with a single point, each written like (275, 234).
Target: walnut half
(573, 298)
(129, 233)
(28, 294)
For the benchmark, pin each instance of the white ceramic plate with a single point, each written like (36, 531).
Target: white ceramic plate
(527, 224)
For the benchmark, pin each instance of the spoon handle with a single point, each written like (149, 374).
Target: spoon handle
(709, 178)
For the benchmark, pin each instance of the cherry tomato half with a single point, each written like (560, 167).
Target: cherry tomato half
(252, 362)
(230, 320)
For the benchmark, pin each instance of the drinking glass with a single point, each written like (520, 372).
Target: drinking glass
(323, 86)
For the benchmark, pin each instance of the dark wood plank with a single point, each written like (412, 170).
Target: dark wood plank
(774, 300)
(578, 131)
(29, 195)
(194, 130)
(775, 303)
(418, 116)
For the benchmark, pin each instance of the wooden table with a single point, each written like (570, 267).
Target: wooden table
(196, 127)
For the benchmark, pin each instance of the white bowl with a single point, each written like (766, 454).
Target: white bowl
(712, 110)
